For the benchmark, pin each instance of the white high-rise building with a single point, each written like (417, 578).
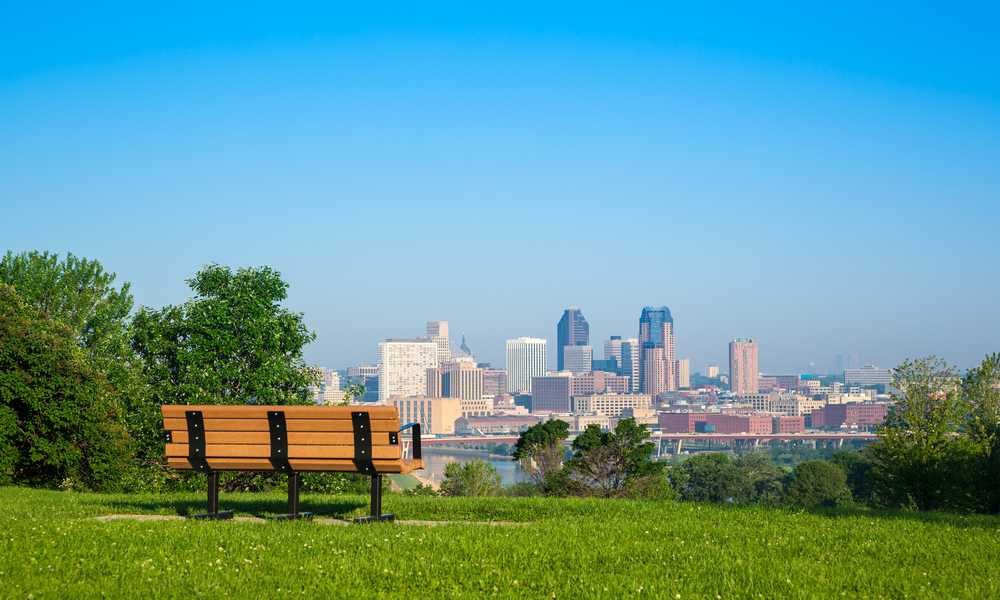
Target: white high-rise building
(578, 359)
(402, 368)
(711, 371)
(868, 375)
(526, 358)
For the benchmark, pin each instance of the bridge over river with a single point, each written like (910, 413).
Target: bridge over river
(677, 439)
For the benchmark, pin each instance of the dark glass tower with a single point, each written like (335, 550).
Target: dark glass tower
(572, 330)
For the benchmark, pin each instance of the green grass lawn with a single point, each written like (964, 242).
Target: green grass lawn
(572, 548)
(405, 481)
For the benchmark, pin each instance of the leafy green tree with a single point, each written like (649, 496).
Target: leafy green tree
(818, 483)
(351, 391)
(75, 291)
(920, 460)
(78, 293)
(471, 478)
(231, 344)
(539, 452)
(981, 391)
(59, 419)
(706, 477)
(855, 466)
(759, 481)
(610, 462)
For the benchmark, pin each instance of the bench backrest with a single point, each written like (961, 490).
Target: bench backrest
(283, 438)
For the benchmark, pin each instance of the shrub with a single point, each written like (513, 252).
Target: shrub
(818, 483)
(471, 478)
(59, 419)
(421, 490)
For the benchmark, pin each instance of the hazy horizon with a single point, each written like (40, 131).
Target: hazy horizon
(823, 180)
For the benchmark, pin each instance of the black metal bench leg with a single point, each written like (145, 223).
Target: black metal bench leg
(294, 482)
(376, 508)
(213, 501)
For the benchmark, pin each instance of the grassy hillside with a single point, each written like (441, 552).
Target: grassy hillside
(571, 548)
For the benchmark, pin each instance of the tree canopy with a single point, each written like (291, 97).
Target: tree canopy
(58, 415)
(918, 459)
(818, 483)
(231, 344)
(74, 291)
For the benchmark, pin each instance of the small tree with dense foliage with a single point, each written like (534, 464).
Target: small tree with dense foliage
(539, 452)
(920, 459)
(855, 466)
(758, 481)
(609, 463)
(818, 483)
(231, 344)
(471, 478)
(59, 419)
(981, 391)
(706, 477)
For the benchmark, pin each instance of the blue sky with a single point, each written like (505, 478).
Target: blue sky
(822, 179)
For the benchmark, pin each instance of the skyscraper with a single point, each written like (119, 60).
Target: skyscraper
(402, 368)
(572, 330)
(626, 353)
(578, 359)
(683, 373)
(526, 358)
(657, 368)
(743, 370)
(437, 332)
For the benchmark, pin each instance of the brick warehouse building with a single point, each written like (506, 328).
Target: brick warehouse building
(833, 416)
(685, 423)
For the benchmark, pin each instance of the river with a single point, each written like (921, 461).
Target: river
(436, 458)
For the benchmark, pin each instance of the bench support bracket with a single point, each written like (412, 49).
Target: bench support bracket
(213, 501)
(376, 508)
(294, 482)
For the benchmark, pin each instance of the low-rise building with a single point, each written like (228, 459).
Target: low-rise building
(435, 415)
(578, 422)
(835, 416)
(611, 405)
(497, 425)
(784, 424)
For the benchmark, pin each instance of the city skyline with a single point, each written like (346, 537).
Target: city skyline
(846, 156)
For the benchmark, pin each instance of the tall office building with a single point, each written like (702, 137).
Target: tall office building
(657, 367)
(683, 373)
(402, 368)
(853, 362)
(630, 362)
(526, 358)
(743, 370)
(839, 368)
(578, 359)
(572, 330)
(613, 349)
(711, 371)
(437, 332)
(494, 382)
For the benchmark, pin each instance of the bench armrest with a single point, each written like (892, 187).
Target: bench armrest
(416, 438)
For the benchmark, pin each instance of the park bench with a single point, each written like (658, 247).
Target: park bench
(289, 440)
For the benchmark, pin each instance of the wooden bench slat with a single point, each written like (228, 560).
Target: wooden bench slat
(326, 425)
(294, 437)
(291, 412)
(264, 451)
(405, 465)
